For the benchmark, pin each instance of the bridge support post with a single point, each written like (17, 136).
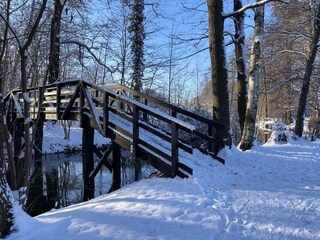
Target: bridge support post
(87, 161)
(116, 168)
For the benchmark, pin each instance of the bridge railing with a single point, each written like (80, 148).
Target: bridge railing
(117, 109)
(206, 133)
(127, 116)
(110, 112)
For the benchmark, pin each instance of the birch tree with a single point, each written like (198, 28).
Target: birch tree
(253, 81)
(239, 38)
(219, 73)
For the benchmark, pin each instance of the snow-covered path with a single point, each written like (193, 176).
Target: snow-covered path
(271, 192)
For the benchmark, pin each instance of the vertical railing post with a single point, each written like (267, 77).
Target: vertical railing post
(97, 96)
(116, 167)
(135, 142)
(217, 141)
(210, 134)
(174, 148)
(58, 100)
(81, 89)
(144, 114)
(105, 112)
(173, 113)
(135, 128)
(121, 103)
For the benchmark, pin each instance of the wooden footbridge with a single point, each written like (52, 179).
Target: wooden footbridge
(150, 128)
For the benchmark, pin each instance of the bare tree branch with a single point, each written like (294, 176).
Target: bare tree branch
(11, 29)
(251, 6)
(5, 35)
(91, 53)
(195, 53)
(35, 26)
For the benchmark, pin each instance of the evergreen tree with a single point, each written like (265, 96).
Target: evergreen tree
(137, 42)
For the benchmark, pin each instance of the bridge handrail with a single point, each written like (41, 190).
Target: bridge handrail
(57, 94)
(163, 116)
(211, 124)
(167, 105)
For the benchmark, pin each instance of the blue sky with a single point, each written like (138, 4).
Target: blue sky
(174, 18)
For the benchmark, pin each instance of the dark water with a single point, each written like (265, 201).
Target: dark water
(63, 182)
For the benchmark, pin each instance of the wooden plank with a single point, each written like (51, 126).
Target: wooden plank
(165, 137)
(98, 101)
(155, 161)
(185, 168)
(155, 150)
(121, 114)
(119, 138)
(97, 152)
(93, 110)
(75, 95)
(103, 161)
(120, 130)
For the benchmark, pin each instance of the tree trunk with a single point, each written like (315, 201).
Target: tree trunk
(241, 67)
(6, 209)
(253, 88)
(6, 134)
(36, 202)
(307, 77)
(137, 45)
(54, 55)
(219, 74)
(26, 163)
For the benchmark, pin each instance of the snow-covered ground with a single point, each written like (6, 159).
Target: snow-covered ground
(53, 138)
(270, 192)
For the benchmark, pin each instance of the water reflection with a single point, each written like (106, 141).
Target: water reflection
(63, 182)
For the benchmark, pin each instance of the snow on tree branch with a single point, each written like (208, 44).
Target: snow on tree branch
(250, 6)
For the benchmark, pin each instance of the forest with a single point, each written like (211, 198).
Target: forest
(251, 66)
